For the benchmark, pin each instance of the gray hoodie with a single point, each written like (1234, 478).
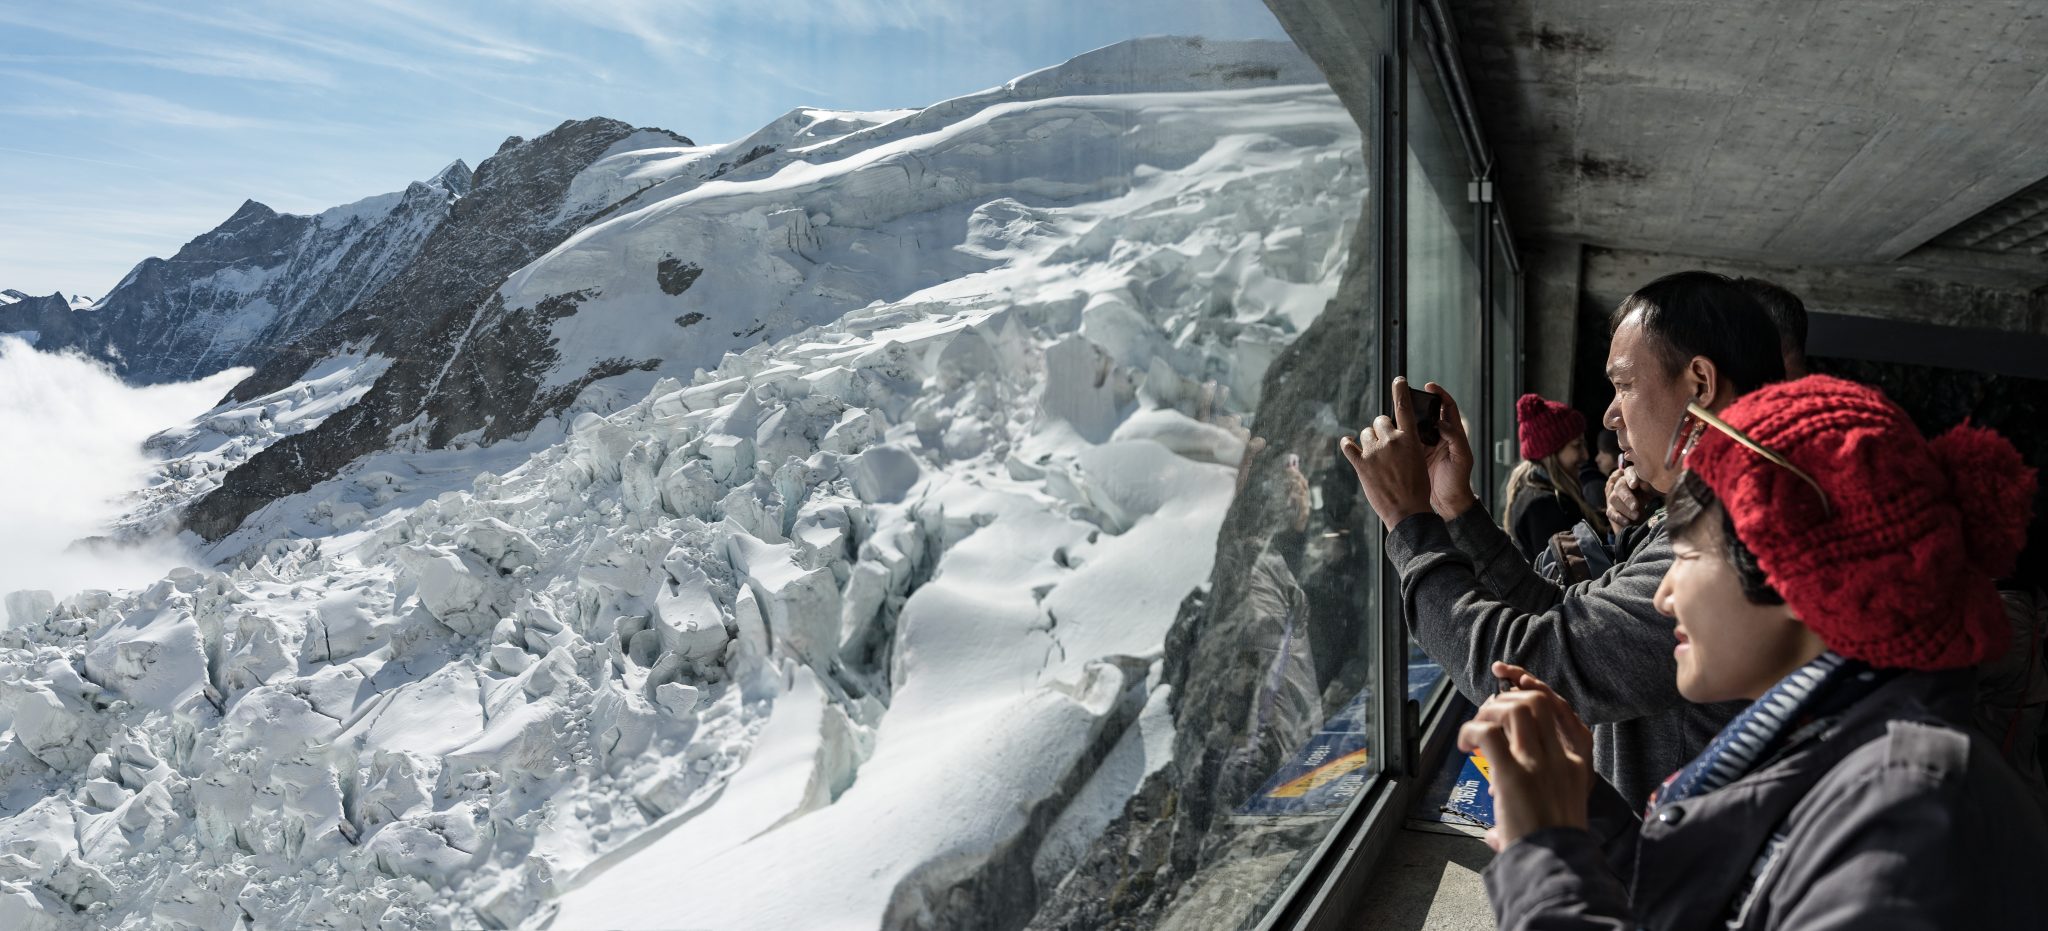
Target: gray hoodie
(1471, 599)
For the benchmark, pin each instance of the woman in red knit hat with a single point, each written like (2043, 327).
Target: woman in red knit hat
(1835, 568)
(1543, 496)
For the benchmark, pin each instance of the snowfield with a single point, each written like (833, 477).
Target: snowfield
(796, 629)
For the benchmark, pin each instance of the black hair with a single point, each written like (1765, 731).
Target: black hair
(1700, 313)
(1610, 442)
(1787, 312)
(1690, 500)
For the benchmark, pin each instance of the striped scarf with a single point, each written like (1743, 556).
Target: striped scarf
(1801, 704)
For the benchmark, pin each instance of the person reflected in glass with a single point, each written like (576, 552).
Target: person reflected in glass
(1835, 569)
(1472, 599)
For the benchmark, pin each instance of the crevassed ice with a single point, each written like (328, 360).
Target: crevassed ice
(786, 646)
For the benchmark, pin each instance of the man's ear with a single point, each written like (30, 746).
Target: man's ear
(1703, 383)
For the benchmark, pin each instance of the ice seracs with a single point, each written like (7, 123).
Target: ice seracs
(855, 595)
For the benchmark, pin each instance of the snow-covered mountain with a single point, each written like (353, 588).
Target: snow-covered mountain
(807, 531)
(49, 320)
(256, 283)
(739, 237)
(455, 353)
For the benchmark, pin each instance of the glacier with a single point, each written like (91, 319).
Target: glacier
(858, 591)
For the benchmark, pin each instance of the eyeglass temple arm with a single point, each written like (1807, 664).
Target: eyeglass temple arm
(1738, 436)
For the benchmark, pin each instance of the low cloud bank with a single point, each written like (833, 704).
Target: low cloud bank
(71, 438)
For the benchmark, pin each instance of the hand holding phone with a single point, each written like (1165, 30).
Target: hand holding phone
(1429, 410)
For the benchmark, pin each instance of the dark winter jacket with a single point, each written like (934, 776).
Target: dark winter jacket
(1896, 816)
(1593, 483)
(1470, 599)
(1539, 513)
(2012, 689)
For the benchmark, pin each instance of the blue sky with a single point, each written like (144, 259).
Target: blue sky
(127, 128)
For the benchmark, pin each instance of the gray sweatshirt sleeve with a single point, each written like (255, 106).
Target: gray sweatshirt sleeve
(1602, 646)
(1500, 565)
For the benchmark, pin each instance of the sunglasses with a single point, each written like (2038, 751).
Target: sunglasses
(1695, 423)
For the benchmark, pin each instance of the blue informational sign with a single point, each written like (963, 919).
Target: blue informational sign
(1471, 799)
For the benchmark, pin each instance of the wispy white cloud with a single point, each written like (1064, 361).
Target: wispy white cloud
(227, 63)
(244, 64)
(684, 24)
(73, 158)
(152, 48)
(405, 38)
(463, 35)
(872, 15)
(80, 100)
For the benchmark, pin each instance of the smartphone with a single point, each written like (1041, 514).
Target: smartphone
(1429, 409)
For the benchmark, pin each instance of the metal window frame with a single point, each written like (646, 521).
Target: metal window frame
(1326, 894)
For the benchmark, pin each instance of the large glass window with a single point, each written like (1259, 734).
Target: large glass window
(1443, 248)
(1504, 366)
(1443, 313)
(882, 473)
(1099, 638)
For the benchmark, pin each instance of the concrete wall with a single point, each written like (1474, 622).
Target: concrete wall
(1900, 292)
(1774, 130)
(1573, 287)
(1552, 288)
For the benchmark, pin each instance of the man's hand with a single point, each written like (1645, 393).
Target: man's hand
(1629, 499)
(1450, 461)
(1541, 761)
(1390, 462)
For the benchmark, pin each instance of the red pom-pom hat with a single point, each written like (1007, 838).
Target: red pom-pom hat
(1545, 426)
(1897, 568)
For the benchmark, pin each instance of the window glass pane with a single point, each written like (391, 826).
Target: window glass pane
(1443, 312)
(1268, 667)
(1100, 639)
(1443, 248)
(883, 474)
(1506, 314)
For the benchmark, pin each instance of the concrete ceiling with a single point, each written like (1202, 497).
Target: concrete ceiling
(1793, 131)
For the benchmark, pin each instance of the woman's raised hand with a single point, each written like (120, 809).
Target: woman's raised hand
(1540, 757)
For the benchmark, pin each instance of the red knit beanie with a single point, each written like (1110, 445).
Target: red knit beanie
(1546, 426)
(1901, 573)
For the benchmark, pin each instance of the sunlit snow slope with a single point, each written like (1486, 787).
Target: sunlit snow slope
(857, 592)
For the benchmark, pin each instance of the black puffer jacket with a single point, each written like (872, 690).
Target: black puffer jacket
(1898, 816)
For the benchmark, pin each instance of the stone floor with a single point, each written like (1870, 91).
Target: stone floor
(1429, 881)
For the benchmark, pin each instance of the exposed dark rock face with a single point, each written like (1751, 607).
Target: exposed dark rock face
(564, 305)
(51, 317)
(259, 282)
(462, 361)
(675, 275)
(751, 155)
